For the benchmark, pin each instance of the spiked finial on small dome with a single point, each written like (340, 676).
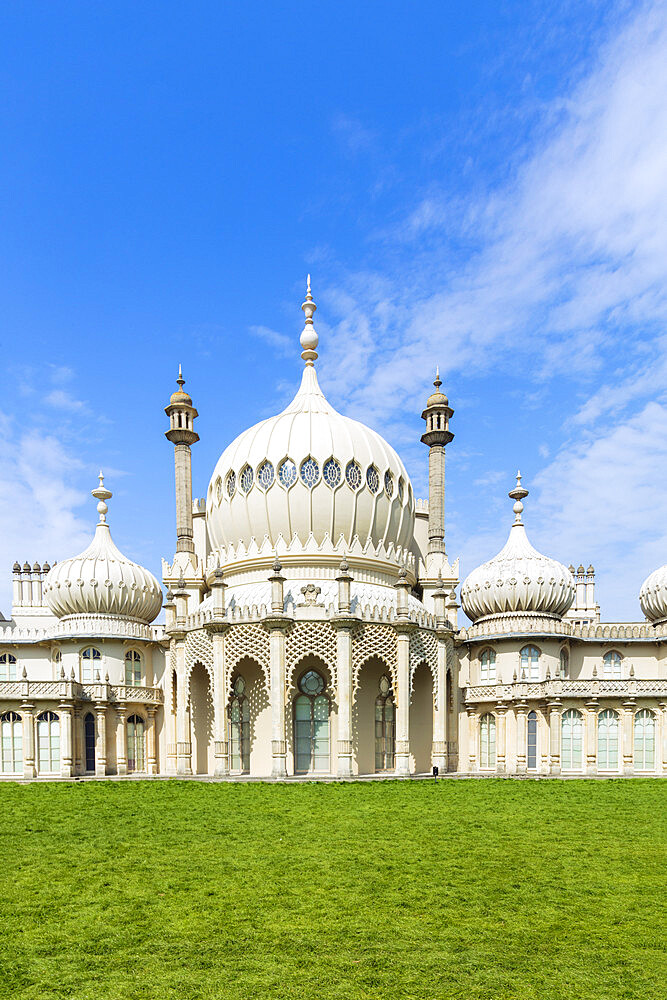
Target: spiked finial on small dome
(519, 493)
(309, 339)
(102, 494)
(180, 396)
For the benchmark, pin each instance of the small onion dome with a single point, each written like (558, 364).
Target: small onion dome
(653, 596)
(180, 396)
(437, 398)
(519, 579)
(101, 581)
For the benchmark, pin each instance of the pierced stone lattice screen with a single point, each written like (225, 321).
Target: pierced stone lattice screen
(318, 638)
(247, 640)
(198, 649)
(373, 640)
(424, 649)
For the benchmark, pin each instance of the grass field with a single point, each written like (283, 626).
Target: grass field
(467, 889)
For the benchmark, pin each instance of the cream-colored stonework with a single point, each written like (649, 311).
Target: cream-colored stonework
(311, 629)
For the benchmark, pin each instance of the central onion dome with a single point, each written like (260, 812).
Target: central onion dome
(309, 471)
(101, 581)
(519, 579)
(653, 596)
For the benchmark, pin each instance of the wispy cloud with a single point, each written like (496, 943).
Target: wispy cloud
(280, 342)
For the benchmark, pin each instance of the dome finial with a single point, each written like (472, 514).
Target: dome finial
(519, 493)
(102, 494)
(309, 338)
(437, 382)
(180, 380)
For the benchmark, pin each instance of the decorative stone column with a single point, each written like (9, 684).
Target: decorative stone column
(627, 740)
(471, 712)
(403, 630)
(440, 734)
(554, 709)
(521, 736)
(501, 737)
(277, 624)
(28, 727)
(220, 694)
(661, 738)
(66, 757)
(183, 744)
(121, 738)
(101, 741)
(591, 734)
(182, 435)
(151, 741)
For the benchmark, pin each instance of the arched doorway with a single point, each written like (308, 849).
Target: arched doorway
(373, 719)
(421, 720)
(201, 720)
(249, 720)
(89, 741)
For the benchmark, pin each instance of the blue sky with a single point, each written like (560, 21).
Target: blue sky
(481, 186)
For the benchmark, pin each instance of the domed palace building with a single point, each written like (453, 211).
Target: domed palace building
(311, 629)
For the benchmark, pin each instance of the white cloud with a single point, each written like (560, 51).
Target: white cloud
(37, 504)
(62, 400)
(280, 342)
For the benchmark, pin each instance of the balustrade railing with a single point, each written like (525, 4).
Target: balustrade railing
(69, 690)
(558, 688)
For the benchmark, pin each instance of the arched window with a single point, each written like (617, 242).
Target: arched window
(487, 666)
(239, 728)
(385, 726)
(564, 663)
(7, 667)
(644, 741)
(607, 741)
(531, 747)
(89, 740)
(311, 725)
(48, 743)
(133, 668)
(90, 664)
(572, 740)
(530, 663)
(11, 731)
(487, 741)
(136, 754)
(611, 664)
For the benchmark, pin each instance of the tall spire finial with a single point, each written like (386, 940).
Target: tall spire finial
(518, 494)
(438, 382)
(309, 338)
(180, 380)
(102, 494)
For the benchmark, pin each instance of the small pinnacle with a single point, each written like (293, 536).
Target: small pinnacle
(180, 380)
(437, 383)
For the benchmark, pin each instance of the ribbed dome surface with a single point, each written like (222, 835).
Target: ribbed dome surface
(518, 579)
(310, 470)
(101, 581)
(653, 595)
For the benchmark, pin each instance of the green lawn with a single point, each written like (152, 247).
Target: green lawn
(467, 889)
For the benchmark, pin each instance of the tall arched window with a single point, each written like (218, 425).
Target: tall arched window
(11, 730)
(48, 743)
(311, 725)
(57, 661)
(487, 741)
(487, 666)
(564, 663)
(611, 664)
(385, 726)
(7, 667)
(531, 748)
(644, 741)
(90, 664)
(572, 740)
(530, 663)
(239, 728)
(133, 667)
(89, 740)
(136, 752)
(607, 740)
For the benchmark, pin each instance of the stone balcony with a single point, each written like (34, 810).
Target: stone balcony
(72, 691)
(557, 689)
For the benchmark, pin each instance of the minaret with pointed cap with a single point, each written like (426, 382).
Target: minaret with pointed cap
(436, 436)
(182, 434)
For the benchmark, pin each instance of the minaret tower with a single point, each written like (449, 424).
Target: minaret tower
(182, 434)
(437, 435)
